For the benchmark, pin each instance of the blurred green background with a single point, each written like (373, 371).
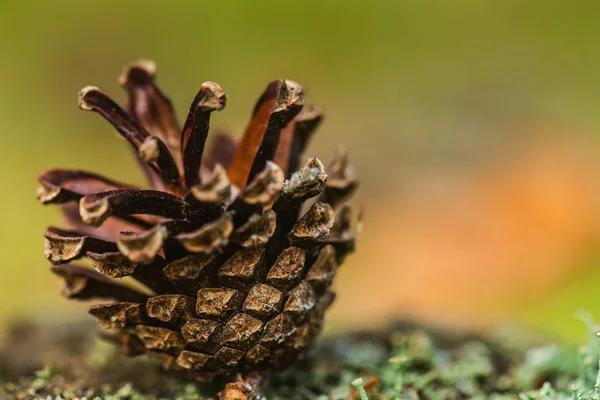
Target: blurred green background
(473, 124)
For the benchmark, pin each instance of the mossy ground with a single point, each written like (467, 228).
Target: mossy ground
(403, 362)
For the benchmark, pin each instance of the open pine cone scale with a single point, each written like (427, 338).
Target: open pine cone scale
(235, 246)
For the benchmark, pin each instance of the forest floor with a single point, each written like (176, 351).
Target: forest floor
(405, 361)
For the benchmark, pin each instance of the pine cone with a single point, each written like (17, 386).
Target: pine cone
(235, 248)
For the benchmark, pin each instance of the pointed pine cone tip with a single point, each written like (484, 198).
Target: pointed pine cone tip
(142, 247)
(210, 238)
(46, 193)
(149, 151)
(213, 97)
(314, 227)
(111, 264)
(94, 211)
(138, 72)
(216, 188)
(84, 97)
(340, 162)
(341, 173)
(292, 96)
(50, 188)
(59, 247)
(95, 208)
(63, 185)
(83, 284)
(170, 308)
(342, 236)
(343, 219)
(343, 180)
(257, 230)
(265, 186)
(62, 246)
(118, 315)
(308, 182)
(153, 149)
(189, 267)
(72, 283)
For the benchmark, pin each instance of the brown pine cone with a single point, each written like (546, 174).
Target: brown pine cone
(234, 248)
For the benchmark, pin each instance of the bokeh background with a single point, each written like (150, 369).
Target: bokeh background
(474, 125)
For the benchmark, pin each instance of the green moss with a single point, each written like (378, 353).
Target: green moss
(403, 362)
